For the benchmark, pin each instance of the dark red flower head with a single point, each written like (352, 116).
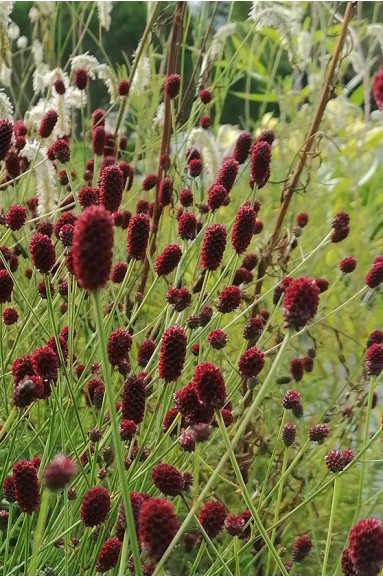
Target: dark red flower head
(244, 224)
(149, 182)
(288, 434)
(375, 337)
(59, 472)
(145, 352)
(45, 363)
(158, 525)
(209, 384)
(48, 123)
(253, 328)
(60, 151)
(123, 88)
(229, 299)
(234, 524)
(95, 506)
(296, 368)
(6, 286)
(165, 193)
(212, 518)
(227, 173)
(10, 316)
(180, 299)
(242, 147)
(347, 265)
(168, 260)
(134, 398)
(336, 460)
(27, 390)
(138, 236)
(205, 95)
(16, 217)
(375, 275)
(217, 339)
(293, 400)
(109, 554)
(26, 486)
(119, 345)
(92, 247)
(318, 433)
(172, 353)
(205, 122)
(186, 198)
(377, 87)
(213, 247)
(374, 359)
(128, 429)
(302, 220)
(6, 132)
(187, 226)
(81, 78)
(251, 362)
(168, 480)
(42, 252)
(260, 164)
(9, 490)
(280, 289)
(266, 136)
(300, 303)
(366, 547)
(250, 261)
(302, 547)
(98, 140)
(216, 197)
(172, 85)
(111, 187)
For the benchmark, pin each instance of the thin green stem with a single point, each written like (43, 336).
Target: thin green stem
(335, 497)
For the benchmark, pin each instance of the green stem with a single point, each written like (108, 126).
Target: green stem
(335, 497)
(40, 525)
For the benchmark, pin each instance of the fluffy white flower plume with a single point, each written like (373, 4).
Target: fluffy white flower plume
(141, 76)
(37, 52)
(22, 42)
(5, 12)
(87, 61)
(159, 119)
(6, 108)
(105, 74)
(45, 176)
(205, 142)
(5, 74)
(217, 44)
(104, 8)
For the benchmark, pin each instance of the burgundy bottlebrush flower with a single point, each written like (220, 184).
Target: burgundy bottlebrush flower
(213, 247)
(260, 164)
(258, 227)
(250, 261)
(205, 315)
(377, 87)
(9, 490)
(157, 525)
(42, 289)
(186, 399)
(60, 151)
(195, 167)
(267, 136)
(347, 565)
(145, 352)
(187, 226)
(302, 547)
(172, 353)
(347, 456)
(205, 122)
(4, 515)
(251, 362)
(134, 398)
(111, 187)
(335, 461)
(119, 272)
(234, 524)
(98, 140)
(374, 359)
(375, 275)
(95, 506)
(288, 434)
(168, 260)
(149, 182)
(339, 235)
(168, 480)
(119, 345)
(227, 173)
(179, 298)
(187, 441)
(217, 338)
(48, 123)
(6, 286)
(45, 228)
(98, 117)
(128, 429)
(165, 192)
(209, 385)
(172, 85)
(26, 485)
(347, 265)
(375, 337)
(28, 390)
(170, 418)
(88, 196)
(293, 400)
(123, 88)
(242, 147)
(322, 284)
(216, 197)
(136, 499)
(205, 95)
(92, 247)
(296, 368)
(42, 252)
(12, 164)
(109, 554)
(138, 236)
(308, 364)
(186, 198)
(59, 472)
(244, 223)
(366, 547)
(242, 276)
(10, 316)
(81, 78)
(45, 363)
(300, 303)
(21, 367)
(229, 299)
(66, 235)
(318, 433)
(280, 289)
(16, 217)
(253, 328)
(302, 220)
(212, 518)
(6, 132)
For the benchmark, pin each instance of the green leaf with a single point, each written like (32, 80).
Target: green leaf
(269, 97)
(357, 97)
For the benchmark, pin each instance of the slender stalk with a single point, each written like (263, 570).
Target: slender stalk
(335, 497)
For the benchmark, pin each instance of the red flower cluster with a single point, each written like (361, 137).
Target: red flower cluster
(213, 247)
(365, 550)
(26, 486)
(209, 384)
(95, 506)
(168, 480)
(300, 303)
(260, 164)
(172, 353)
(243, 228)
(134, 398)
(212, 518)
(119, 345)
(157, 525)
(168, 260)
(138, 236)
(111, 187)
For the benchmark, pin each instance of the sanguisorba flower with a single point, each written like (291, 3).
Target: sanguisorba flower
(187, 226)
(243, 228)
(213, 247)
(209, 384)
(300, 302)
(260, 164)
(98, 140)
(375, 275)
(227, 173)
(212, 518)
(119, 345)
(6, 132)
(302, 547)
(48, 123)
(59, 472)
(134, 398)
(26, 486)
(172, 353)
(242, 147)
(366, 547)
(95, 506)
(172, 85)
(6, 286)
(45, 363)
(374, 359)
(92, 247)
(168, 260)
(109, 554)
(168, 480)
(251, 362)
(377, 87)
(42, 252)
(138, 236)
(229, 299)
(111, 187)
(157, 525)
